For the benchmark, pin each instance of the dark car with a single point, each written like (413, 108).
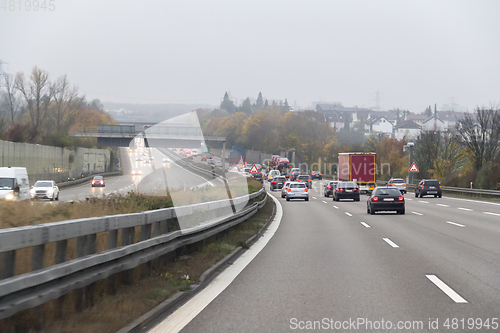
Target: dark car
(429, 187)
(346, 190)
(316, 174)
(211, 161)
(98, 181)
(330, 187)
(258, 176)
(277, 183)
(386, 199)
(306, 179)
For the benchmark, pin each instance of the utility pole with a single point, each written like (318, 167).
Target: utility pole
(410, 146)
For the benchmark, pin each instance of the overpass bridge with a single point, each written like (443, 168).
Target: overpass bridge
(162, 135)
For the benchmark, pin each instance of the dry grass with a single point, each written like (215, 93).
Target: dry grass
(110, 313)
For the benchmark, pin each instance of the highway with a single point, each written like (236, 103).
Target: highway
(332, 266)
(175, 176)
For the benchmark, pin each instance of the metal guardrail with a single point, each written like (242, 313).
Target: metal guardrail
(28, 290)
(463, 190)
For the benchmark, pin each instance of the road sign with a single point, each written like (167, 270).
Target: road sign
(254, 169)
(413, 168)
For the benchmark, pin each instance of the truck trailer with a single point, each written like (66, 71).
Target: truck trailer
(358, 167)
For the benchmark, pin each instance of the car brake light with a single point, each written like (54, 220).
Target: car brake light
(306, 189)
(372, 188)
(339, 189)
(273, 182)
(440, 186)
(422, 186)
(329, 187)
(289, 190)
(401, 198)
(320, 174)
(355, 189)
(375, 198)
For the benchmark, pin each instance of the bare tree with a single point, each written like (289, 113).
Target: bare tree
(481, 133)
(67, 103)
(38, 93)
(10, 98)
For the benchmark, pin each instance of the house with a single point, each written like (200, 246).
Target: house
(379, 124)
(434, 124)
(340, 116)
(408, 129)
(418, 118)
(450, 118)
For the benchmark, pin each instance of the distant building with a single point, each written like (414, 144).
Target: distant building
(434, 124)
(408, 129)
(379, 124)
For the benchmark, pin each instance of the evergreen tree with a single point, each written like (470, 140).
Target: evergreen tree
(428, 111)
(266, 104)
(259, 101)
(228, 104)
(286, 108)
(246, 106)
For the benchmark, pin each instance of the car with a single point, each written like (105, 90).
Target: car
(189, 156)
(297, 190)
(136, 172)
(98, 181)
(387, 198)
(14, 184)
(346, 190)
(316, 174)
(294, 173)
(166, 160)
(138, 158)
(429, 187)
(45, 189)
(285, 189)
(330, 187)
(211, 162)
(306, 179)
(399, 183)
(272, 174)
(203, 158)
(218, 164)
(258, 176)
(277, 183)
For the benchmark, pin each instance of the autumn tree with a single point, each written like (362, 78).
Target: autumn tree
(11, 101)
(38, 93)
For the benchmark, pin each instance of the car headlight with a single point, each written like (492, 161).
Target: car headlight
(9, 196)
(32, 191)
(50, 191)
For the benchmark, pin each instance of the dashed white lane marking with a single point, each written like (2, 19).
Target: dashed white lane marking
(446, 289)
(466, 209)
(348, 214)
(365, 224)
(457, 224)
(424, 201)
(314, 198)
(495, 214)
(417, 213)
(335, 207)
(442, 205)
(324, 202)
(410, 199)
(391, 243)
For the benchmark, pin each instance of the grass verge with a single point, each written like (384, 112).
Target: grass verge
(110, 313)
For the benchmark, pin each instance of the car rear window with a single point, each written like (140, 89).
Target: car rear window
(303, 177)
(398, 181)
(279, 178)
(297, 185)
(347, 184)
(431, 183)
(387, 191)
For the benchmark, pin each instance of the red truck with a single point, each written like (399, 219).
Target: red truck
(358, 167)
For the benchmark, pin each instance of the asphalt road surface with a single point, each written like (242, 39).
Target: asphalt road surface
(332, 266)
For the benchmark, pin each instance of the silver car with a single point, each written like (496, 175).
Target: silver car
(297, 190)
(285, 189)
(45, 189)
(399, 183)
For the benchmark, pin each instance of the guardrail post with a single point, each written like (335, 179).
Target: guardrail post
(37, 256)
(112, 239)
(91, 244)
(8, 264)
(145, 232)
(81, 245)
(155, 229)
(61, 249)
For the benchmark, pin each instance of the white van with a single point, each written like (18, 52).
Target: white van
(14, 184)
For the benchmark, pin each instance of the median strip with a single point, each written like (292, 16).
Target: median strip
(446, 289)
(391, 243)
(459, 225)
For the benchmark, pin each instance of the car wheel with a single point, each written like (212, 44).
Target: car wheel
(440, 195)
(372, 211)
(402, 211)
(282, 196)
(356, 199)
(416, 194)
(421, 195)
(307, 199)
(287, 199)
(57, 198)
(367, 209)
(435, 195)
(52, 199)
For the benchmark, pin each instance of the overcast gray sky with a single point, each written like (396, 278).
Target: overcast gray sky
(415, 53)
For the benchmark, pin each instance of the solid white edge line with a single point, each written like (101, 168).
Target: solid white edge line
(495, 214)
(391, 243)
(348, 214)
(183, 316)
(476, 201)
(365, 224)
(457, 224)
(446, 289)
